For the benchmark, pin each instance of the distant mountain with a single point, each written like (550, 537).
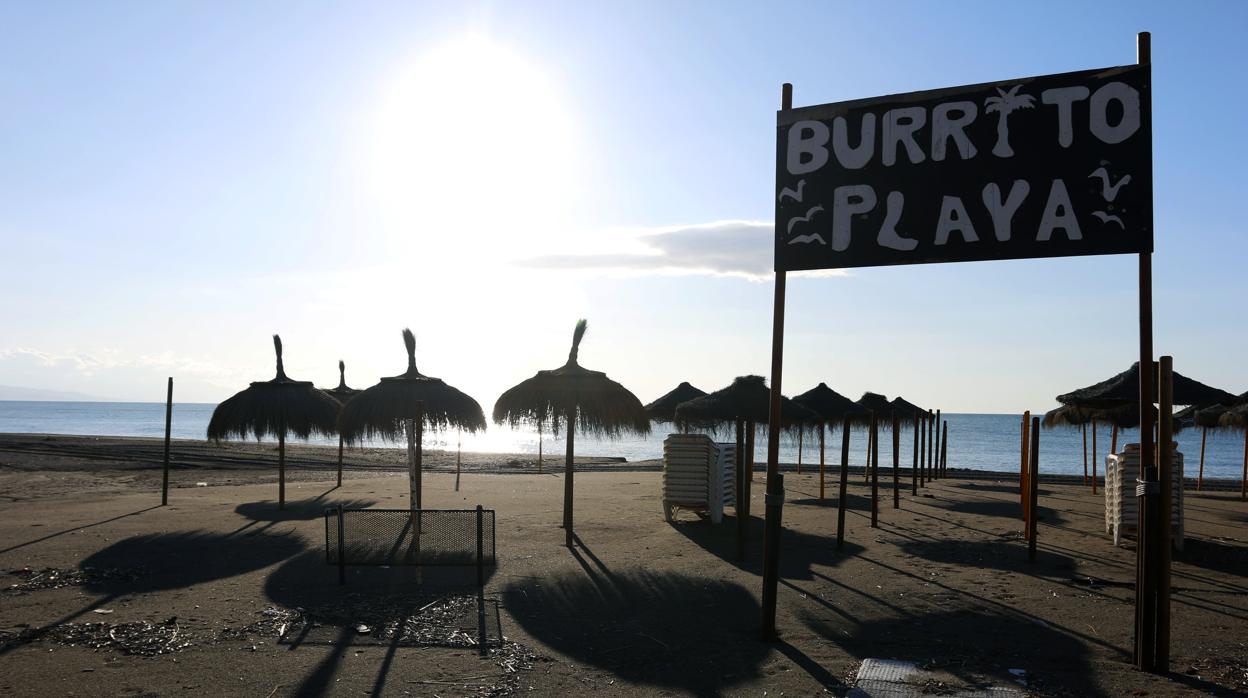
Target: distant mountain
(13, 392)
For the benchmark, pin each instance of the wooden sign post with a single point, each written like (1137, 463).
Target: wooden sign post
(1047, 166)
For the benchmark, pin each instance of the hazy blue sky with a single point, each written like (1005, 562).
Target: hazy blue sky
(181, 180)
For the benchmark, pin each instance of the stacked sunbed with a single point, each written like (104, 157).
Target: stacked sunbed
(697, 475)
(1121, 513)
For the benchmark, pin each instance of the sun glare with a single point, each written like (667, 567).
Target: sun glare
(472, 151)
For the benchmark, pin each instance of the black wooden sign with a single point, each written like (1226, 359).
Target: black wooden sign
(1050, 166)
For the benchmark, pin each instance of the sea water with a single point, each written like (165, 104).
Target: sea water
(979, 441)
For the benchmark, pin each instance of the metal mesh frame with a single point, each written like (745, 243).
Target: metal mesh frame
(447, 537)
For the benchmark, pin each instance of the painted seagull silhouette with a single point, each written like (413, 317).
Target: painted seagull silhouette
(1106, 217)
(1109, 193)
(803, 219)
(796, 195)
(813, 237)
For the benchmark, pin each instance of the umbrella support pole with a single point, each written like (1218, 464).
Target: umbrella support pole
(822, 429)
(1093, 456)
(164, 482)
(1113, 440)
(840, 499)
(340, 460)
(914, 467)
(1084, 428)
(800, 430)
(1200, 477)
(568, 470)
(944, 449)
(539, 448)
(281, 469)
(875, 472)
(459, 447)
(936, 436)
(896, 462)
(742, 517)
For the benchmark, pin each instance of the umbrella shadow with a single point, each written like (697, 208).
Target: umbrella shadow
(1004, 555)
(1001, 508)
(78, 528)
(1215, 555)
(398, 591)
(266, 510)
(667, 630)
(164, 561)
(801, 550)
(977, 646)
(1003, 489)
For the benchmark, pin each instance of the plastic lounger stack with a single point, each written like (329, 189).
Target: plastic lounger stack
(1121, 471)
(697, 475)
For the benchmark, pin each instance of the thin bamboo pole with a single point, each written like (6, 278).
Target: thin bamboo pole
(840, 499)
(896, 462)
(1033, 490)
(1084, 428)
(823, 427)
(164, 481)
(875, 472)
(568, 470)
(914, 467)
(1200, 478)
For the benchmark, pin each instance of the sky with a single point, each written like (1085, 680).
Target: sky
(179, 181)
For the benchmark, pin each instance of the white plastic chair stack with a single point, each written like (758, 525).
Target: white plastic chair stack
(697, 475)
(1121, 471)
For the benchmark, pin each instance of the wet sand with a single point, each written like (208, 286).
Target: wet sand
(639, 607)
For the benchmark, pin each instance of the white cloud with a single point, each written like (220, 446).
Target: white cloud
(738, 248)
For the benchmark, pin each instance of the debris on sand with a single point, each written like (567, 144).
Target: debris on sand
(56, 578)
(139, 638)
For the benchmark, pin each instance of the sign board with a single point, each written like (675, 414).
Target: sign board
(1050, 166)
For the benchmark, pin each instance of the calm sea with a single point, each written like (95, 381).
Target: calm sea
(980, 441)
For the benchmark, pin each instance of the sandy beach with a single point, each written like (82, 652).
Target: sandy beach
(219, 593)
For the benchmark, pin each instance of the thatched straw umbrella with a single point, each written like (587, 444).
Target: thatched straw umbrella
(831, 406)
(1124, 388)
(664, 408)
(407, 404)
(905, 409)
(871, 403)
(586, 400)
(342, 394)
(278, 407)
(1237, 418)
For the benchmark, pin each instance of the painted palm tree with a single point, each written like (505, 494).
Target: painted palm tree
(1005, 103)
(578, 399)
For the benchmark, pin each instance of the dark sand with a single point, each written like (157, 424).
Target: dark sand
(640, 608)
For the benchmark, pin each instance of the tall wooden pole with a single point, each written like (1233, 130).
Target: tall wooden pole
(1033, 489)
(801, 429)
(1200, 478)
(1022, 467)
(281, 468)
(459, 447)
(944, 449)
(164, 481)
(340, 447)
(920, 423)
(1243, 480)
(840, 499)
(896, 462)
(568, 470)
(936, 448)
(413, 492)
(1113, 439)
(1165, 432)
(914, 467)
(875, 471)
(1094, 461)
(823, 427)
(775, 491)
(743, 517)
(1147, 557)
(539, 447)
(1084, 428)
(931, 446)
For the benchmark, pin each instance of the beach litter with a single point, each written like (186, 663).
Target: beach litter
(140, 638)
(56, 578)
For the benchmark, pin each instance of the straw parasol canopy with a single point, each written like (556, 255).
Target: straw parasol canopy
(872, 402)
(748, 399)
(278, 407)
(409, 402)
(664, 409)
(1125, 388)
(905, 409)
(342, 393)
(1123, 416)
(1237, 418)
(830, 405)
(588, 401)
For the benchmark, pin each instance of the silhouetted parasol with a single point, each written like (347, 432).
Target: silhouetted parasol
(1237, 418)
(342, 394)
(904, 409)
(748, 399)
(278, 407)
(873, 402)
(1124, 388)
(664, 408)
(408, 403)
(586, 400)
(831, 406)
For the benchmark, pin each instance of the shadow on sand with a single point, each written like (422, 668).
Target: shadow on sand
(666, 630)
(979, 647)
(801, 550)
(305, 510)
(1215, 555)
(1004, 555)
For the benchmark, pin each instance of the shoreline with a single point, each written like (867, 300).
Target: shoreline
(70, 453)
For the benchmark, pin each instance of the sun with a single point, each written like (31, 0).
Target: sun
(472, 151)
